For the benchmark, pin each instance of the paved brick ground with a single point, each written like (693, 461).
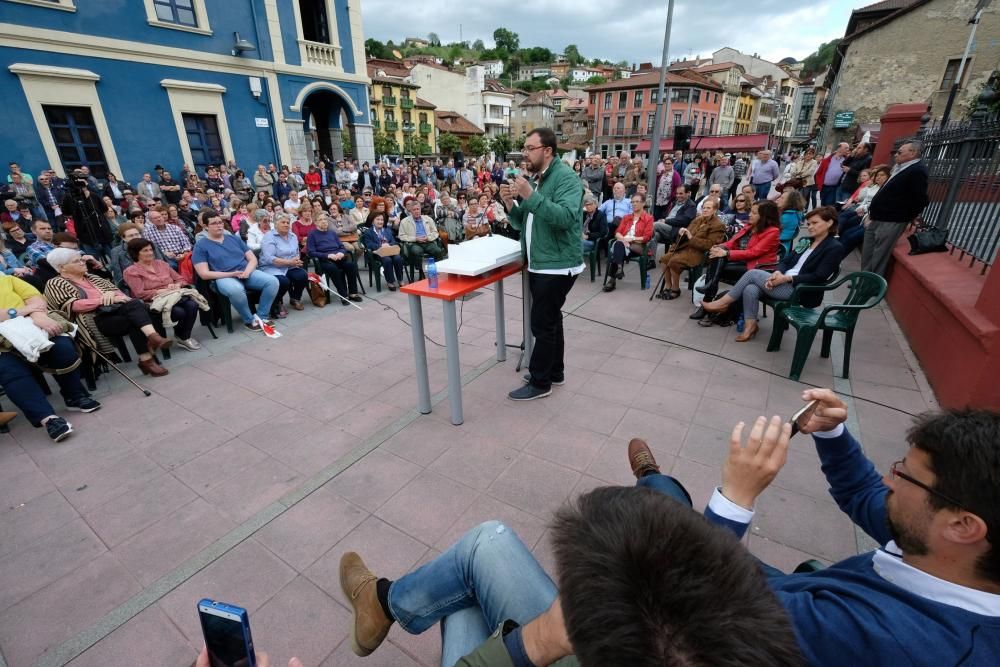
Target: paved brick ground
(256, 463)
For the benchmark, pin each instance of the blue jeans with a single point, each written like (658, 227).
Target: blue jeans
(587, 245)
(761, 190)
(485, 578)
(235, 290)
(17, 379)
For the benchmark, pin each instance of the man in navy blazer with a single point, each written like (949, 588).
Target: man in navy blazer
(894, 206)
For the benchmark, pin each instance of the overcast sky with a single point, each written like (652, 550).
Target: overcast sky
(622, 29)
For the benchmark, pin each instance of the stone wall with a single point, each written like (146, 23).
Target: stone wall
(904, 61)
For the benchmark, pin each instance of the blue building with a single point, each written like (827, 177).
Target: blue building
(125, 85)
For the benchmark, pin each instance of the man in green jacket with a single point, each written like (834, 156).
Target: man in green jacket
(547, 211)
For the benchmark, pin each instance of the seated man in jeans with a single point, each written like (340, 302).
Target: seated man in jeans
(930, 595)
(19, 299)
(226, 259)
(418, 234)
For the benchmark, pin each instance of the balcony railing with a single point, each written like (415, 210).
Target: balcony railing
(376, 124)
(409, 128)
(389, 100)
(391, 125)
(318, 53)
(406, 102)
(425, 128)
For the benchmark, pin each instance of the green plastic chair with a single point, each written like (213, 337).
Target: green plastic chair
(866, 291)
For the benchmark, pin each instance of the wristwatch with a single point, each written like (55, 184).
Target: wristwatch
(12, 313)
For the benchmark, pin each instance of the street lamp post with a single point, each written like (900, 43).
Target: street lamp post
(654, 146)
(963, 63)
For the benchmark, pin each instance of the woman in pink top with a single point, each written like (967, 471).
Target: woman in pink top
(149, 277)
(102, 310)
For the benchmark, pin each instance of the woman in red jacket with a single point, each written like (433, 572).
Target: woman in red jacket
(313, 180)
(632, 235)
(753, 246)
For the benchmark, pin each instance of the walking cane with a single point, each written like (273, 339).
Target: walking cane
(118, 370)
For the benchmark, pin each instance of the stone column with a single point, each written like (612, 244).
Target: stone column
(296, 136)
(336, 144)
(363, 141)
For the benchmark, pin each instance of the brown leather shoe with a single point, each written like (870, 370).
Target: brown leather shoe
(370, 623)
(150, 367)
(641, 458)
(158, 342)
(297, 305)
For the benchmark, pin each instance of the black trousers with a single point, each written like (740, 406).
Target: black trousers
(548, 294)
(720, 269)
(343, 273)
(293, 283)
(184, 314)
(127, 320)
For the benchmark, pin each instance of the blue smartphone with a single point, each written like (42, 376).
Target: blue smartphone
(227, 634)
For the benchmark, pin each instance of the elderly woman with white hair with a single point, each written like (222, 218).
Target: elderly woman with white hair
(101, 310)
(279, 256)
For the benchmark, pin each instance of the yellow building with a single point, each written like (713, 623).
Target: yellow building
(397, 111)
(746, 111)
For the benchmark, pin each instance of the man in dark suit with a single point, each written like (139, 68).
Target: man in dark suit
(894, 206)
(680, 215)
(367, 179)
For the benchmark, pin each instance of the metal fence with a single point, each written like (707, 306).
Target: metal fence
(963, 162)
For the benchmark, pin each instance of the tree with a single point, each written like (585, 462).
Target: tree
(477, 146)
(448, 143)
(345, 140)
(519, 142)
(572, 54)
(820, 59)
(385, 144)
(478, 45)
(413, 145)
(596, 80)
(501, 145)
(455, 53)
(434, 39)
(377, 49)
(505, 39)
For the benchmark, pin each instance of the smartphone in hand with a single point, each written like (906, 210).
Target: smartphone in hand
(803, 415)
(227, 634)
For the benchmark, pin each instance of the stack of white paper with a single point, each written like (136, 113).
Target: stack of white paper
(477, 256)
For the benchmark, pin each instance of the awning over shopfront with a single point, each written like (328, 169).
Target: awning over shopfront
(729, 142)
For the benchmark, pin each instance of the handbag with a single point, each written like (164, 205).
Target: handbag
(928, 238)
(317, 295)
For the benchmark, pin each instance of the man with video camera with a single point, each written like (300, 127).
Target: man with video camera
(87, 211)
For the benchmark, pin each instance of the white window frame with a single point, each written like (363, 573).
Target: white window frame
(64, 86)
(198, 98)
(331, 18)
(200, 14)
(64, 5)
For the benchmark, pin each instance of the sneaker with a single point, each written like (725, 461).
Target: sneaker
(85, 404)
(190, 344)
(58, 428)
(558, 382)
(641, 458)
(358, 584)
(252, 326)
(528, 392)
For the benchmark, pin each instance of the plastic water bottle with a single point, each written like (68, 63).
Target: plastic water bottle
(432, 273)
(740, 324)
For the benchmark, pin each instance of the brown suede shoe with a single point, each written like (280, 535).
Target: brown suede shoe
(150, 367)
(158, 342)
(640, 458)
(370, 623)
